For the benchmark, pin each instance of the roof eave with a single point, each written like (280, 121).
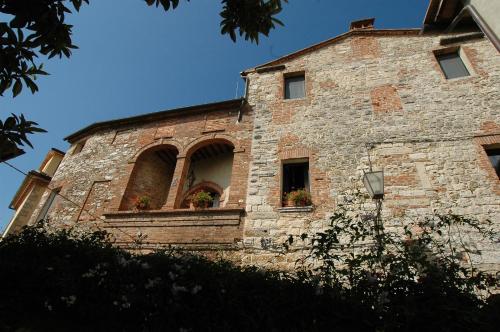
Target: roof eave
(32, 176)
(329, 42)
(149, 117)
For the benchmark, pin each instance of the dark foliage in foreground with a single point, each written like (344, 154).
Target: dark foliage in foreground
(53, 282)
(66, 282)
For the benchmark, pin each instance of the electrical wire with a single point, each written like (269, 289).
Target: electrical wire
(71, 201)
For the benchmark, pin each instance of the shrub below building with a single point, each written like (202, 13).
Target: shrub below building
(60, 281)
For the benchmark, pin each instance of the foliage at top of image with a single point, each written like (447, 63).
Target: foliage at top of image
(38, 27)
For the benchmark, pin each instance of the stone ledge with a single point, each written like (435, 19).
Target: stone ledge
(296, 209)
(181, 246)
(173, 218)
(209, 228)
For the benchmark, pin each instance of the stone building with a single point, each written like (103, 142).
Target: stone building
(424, 106)
(29, 195)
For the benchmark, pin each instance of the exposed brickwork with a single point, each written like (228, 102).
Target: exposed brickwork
(482, 143)
(385, 99)
(151, 177)
(365, 47)
(117, 166)
(215, 228)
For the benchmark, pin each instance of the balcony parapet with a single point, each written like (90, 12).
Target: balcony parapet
(207, 228)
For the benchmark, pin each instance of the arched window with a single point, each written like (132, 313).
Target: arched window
(151, 178)
(210, 168)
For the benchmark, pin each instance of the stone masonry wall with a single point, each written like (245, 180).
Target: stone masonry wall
(377, 93)
(427, 134)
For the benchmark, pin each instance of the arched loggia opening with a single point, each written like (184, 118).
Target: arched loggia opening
(210, 169)
(151, 178)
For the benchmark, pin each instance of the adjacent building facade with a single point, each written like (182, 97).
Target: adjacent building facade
(424, 107)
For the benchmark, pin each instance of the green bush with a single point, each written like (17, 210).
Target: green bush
(68, 281)
(64, 282)
(421, 279)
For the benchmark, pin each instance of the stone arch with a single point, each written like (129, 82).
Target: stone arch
(158, 144)
(206, 186)
(208, 159)
(151, 176)
(210, 139)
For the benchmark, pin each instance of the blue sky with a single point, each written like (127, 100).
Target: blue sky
(137, 59)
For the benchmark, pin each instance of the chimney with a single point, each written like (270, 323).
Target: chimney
(366, 24)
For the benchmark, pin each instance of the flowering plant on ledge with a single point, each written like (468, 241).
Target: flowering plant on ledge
(299, 197)
(143, 203)
(202, 199)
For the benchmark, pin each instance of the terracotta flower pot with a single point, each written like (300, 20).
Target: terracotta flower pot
(200, 205)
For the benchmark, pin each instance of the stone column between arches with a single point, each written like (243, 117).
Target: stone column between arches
(177, 185)
(238, 181)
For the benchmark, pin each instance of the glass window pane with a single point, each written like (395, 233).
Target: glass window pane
(452, 66)
(295, 87)
(295, 177)
(494, 155)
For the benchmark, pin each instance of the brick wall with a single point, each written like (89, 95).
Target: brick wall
(119, 164)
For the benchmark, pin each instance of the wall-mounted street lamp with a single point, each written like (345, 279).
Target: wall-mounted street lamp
(374, 184)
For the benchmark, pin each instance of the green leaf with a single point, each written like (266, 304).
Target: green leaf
(17, 88)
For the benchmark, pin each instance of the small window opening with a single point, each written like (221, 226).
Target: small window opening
(48, 204)
(494, 156)
(295, 177)
(452, 65)
(78, 147)
(295, 87)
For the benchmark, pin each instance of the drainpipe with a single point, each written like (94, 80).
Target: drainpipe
(243, 100)
(469, 9)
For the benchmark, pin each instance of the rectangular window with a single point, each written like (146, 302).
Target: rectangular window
(295, 87)
(452, 65)
(295, 177)
(494, 156)
(48, 204)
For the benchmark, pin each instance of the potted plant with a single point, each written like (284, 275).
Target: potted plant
(202, 199)
(299, 197)
(287, 200)
(143, 203)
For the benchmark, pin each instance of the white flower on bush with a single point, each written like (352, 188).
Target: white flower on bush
(123, 261)
(47, 305)
(196, 289)
(152, 283)
(69, 300)
(176, 289)
(97, 271)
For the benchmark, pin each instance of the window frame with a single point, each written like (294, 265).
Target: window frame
(460, 54)
(282, 176)
(78, 147)
(48, 204)
(493, 147)
(293, 75)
